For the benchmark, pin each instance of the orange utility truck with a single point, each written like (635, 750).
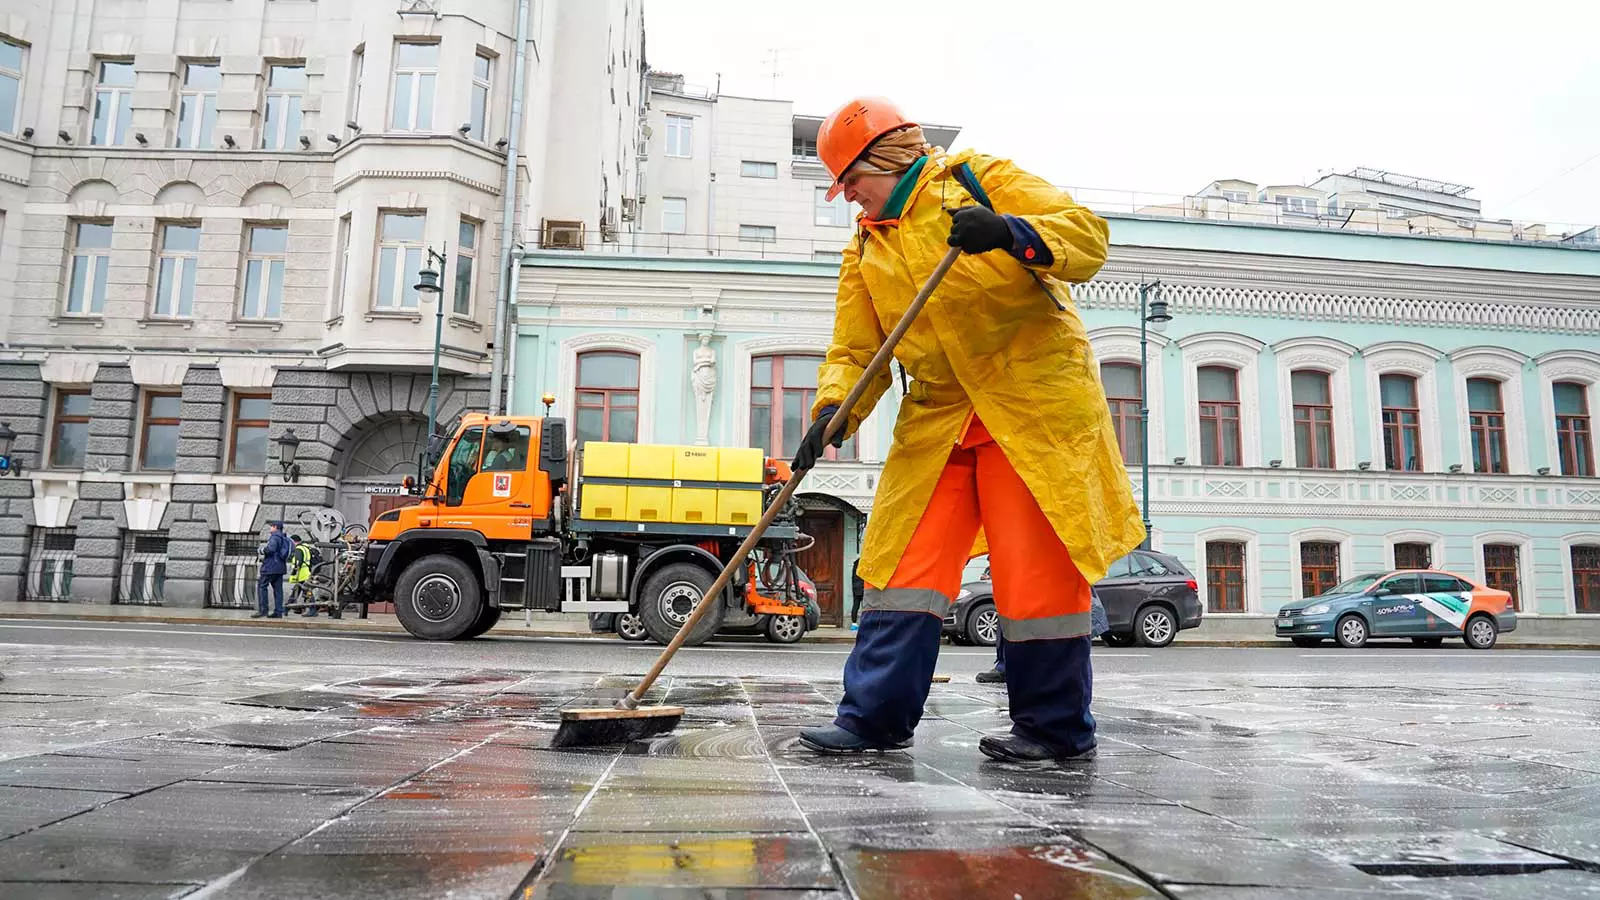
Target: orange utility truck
(507, 521)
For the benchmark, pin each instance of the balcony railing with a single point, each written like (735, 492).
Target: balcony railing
(725, 246)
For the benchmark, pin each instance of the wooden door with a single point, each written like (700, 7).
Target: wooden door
(824, 562)
(382, 503)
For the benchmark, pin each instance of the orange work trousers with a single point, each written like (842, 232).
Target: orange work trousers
(1038, 590)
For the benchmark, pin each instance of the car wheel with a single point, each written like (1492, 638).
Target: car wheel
(438, 598)
(1351, 632)
(785, 629)
(630, 627)
(983, 625)
(1155, 626)
(1113, 639)
(486, 620)
(1306, 641)
(1427, 642)
(1481, 632)
(670, 595)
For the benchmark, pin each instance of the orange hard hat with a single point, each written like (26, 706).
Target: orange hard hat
(847, 133)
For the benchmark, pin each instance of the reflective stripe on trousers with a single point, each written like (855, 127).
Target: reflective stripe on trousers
(1048, 628)
(907, 600)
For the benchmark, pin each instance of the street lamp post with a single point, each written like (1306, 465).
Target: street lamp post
(1152, 313)
(428, 286)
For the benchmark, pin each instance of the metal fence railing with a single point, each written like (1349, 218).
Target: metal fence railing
(142, 575)
(234, 567)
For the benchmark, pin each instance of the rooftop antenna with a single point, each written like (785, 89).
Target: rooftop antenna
(772, 63)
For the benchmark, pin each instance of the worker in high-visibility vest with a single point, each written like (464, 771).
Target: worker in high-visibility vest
(300, 575)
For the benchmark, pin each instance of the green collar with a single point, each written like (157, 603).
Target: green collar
(896, 203)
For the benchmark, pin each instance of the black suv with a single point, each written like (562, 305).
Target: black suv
(1148, 598)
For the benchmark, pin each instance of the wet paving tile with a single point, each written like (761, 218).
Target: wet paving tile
(285, 735)
(1434, 855)
(1218, 857)
(679, 811)
(1560, 885)
(405, 821)
(24, 809)
(124, 774)
(423, 875)
(93, 890)
(1578, 843)
(315, 701)
(187, 832)
(700, 861)
(954, 862)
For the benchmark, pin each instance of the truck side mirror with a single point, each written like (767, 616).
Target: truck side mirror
(553, 450)
(435, 451)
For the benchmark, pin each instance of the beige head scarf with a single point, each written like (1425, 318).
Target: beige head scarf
(894, 152)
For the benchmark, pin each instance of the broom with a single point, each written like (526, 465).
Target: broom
(627, 720)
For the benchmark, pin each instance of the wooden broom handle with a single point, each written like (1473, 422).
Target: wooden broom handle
(880, 361)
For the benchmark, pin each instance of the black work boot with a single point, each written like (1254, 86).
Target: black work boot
(993, 676)
(833, 739)
(1018, 749)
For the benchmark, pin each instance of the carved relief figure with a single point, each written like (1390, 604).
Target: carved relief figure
(703, 377)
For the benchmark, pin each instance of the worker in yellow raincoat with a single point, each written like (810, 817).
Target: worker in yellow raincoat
(1004, 440)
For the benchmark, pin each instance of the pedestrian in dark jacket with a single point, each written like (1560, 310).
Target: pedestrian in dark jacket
(858, 590)
(274, 563)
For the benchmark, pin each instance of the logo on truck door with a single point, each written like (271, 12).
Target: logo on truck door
(502, 484)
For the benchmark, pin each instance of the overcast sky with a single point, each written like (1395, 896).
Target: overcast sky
(1163, 96)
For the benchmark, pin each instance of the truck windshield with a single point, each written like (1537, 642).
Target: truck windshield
(463, 464)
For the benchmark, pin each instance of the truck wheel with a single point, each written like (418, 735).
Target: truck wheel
(438, 598)
(486, 620)
(670, 595)
(785, 629)
(631, 628)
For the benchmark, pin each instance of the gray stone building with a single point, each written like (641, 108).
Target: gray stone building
(212, 218)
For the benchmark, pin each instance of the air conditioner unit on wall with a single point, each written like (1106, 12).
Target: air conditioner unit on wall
(630, 209)
(561, 234)
(608, 224)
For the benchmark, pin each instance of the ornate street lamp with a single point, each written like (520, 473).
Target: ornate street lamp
(288, 446)
(1152, 314)
(428, 287)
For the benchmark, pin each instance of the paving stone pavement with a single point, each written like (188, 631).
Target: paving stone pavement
(151, 773)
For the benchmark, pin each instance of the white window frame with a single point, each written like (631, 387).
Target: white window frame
(758, 234)
(1252, 568)
(1394, 212)
(358, 71)
(118, 98)
(415, 74)
(284, 139)
(1302, 206)
(195, 135)
(645, 348)
(837, 209)
(340, 287)
(17, 76)
(1236, 196)
(1568, 591)
(1233, 351)
(482, 97)
(1344, 539)
(680, 136)
(267, 279)
(827, 256)
(755, 168)
(1434, 540)
(1405, 358)
(666, 205)
(95, 261)
(1331, 357)
(408, 259)
(1120, 344)
(1582, 367)
(1504, 366)
(183, 262)
(469, 254)
(1525, 583)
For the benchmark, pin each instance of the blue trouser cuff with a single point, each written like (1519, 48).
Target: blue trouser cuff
(1050, 685)
(888, 675)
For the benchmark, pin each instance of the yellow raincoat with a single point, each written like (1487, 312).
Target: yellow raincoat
(989, 341)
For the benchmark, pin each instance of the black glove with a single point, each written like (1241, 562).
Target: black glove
(811, 445)
(976, 229)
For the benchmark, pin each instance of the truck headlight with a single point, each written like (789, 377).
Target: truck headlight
(1317, 610)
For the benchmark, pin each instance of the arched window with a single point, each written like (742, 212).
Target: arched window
(1225, 586)
(1574, 436)
(1121, 382)
(608, 396)
(1319, 567)
(1486, 412)
(783, 389)
(1313, 419)
(1402, 423)
(1220, 441)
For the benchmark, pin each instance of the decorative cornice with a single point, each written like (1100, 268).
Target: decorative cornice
(442, 174)
(1281, 303)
